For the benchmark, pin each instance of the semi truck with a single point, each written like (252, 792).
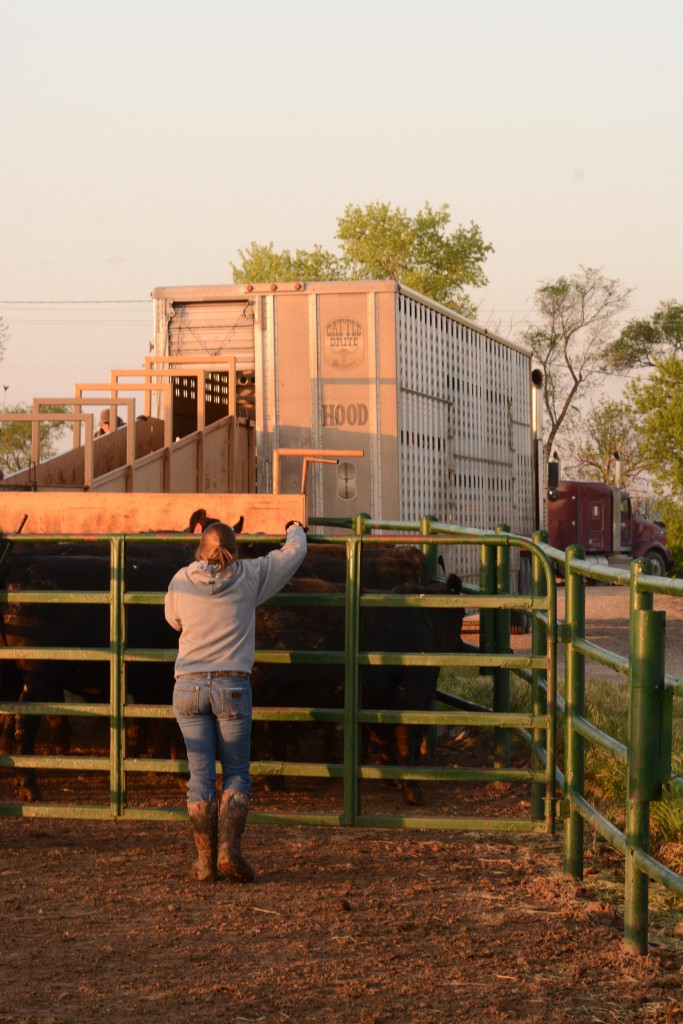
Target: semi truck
(600, 518)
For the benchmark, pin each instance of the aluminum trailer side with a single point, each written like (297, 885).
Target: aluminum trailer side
(440, 406)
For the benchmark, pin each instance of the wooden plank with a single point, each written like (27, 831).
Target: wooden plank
(60, 512)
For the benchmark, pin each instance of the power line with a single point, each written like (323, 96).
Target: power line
(70, 302)
(78, 323)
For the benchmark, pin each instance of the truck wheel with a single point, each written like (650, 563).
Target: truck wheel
(658, 563)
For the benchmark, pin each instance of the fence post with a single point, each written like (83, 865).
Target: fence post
(646, 689)
(501, 676)
(487, 585)
(430, 551)
(116, 689)
(575, 704)
(351, 807)
(539, 703)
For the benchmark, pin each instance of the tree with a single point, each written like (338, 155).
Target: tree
(262, 263)
(576, 322)
(591, 440)
(15, 439)
(379, 242)
(657, 344)
(658, 403)
(643, 343)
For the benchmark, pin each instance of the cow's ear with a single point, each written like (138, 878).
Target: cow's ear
(198, 528)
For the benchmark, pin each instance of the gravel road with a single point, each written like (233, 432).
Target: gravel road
(607, 625)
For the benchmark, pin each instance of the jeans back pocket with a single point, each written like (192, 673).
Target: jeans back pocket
(185, 700)
(235, 701)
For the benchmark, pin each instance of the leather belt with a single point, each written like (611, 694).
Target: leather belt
(227, 674)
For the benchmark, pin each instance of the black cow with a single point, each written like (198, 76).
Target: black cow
(149, 567)
(70, 626)
(27, 565)
(397, 630)
(381, 568)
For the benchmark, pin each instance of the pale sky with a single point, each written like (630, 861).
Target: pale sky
(143, 142)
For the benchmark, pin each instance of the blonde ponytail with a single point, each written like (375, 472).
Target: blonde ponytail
(217, 546)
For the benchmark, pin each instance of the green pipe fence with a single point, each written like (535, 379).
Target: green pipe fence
(352, 772)
(645, 757)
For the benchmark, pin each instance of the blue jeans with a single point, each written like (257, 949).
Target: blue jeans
(214, 715)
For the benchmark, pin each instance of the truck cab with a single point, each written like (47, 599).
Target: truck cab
(600, 518)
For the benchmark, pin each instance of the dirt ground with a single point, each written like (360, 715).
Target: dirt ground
(100, 920)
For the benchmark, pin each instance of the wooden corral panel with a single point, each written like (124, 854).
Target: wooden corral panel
(229, 461)
(219, 459)
(109, 454)
(151, 473)
(94, 513)
(184, 467)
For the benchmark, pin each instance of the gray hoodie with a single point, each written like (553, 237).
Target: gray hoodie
(214, 610)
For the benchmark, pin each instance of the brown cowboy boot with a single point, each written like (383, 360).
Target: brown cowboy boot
(204, 821)
(232, 818)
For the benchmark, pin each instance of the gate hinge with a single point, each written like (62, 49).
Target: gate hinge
(563, 808)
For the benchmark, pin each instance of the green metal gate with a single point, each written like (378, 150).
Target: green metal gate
(493, 600)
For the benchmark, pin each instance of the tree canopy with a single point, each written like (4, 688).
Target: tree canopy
(262, 263)
(656, 344)
(644, 342)
(15, 439)
(377, 242)
(576, 324)
(657, 401)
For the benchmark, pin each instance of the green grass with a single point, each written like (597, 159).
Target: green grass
(468, 684)
(606, 708)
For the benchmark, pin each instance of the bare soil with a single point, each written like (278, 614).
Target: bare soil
(100, 920)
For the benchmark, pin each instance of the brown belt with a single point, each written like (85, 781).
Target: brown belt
(229, 674)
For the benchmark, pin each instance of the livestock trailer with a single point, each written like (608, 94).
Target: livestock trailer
(439, 406)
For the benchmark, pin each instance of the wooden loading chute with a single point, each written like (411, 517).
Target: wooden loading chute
(191, 438)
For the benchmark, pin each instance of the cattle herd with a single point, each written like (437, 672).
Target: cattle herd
(310, 627)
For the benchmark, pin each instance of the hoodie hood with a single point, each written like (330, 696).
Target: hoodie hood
(210, 578)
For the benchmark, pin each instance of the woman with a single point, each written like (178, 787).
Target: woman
(212, 602)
